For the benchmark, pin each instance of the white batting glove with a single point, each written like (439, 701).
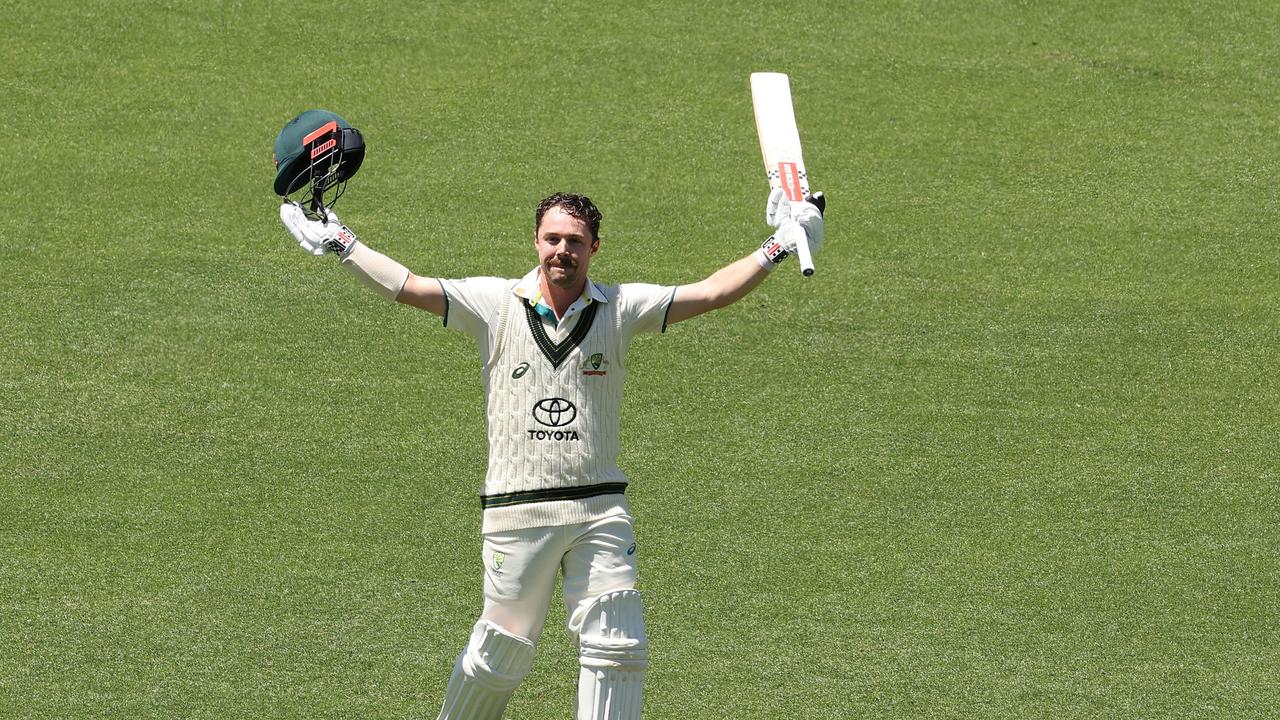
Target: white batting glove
(794, 222)
(781, 245)
(778, 210)
(808, 216)
(315, 236)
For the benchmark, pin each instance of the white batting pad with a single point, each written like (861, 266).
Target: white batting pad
(613, 653)
(486, 674)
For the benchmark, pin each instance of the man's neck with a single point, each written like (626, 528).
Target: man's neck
(559, 299)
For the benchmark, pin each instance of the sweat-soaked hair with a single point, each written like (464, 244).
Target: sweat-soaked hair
(576, 206)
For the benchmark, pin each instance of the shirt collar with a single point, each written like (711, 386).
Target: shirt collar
(530, 289)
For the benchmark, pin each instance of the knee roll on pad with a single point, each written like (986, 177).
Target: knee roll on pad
(613, 652)
(486, 674)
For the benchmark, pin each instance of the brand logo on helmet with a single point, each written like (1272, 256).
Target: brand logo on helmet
(329, 128)
(554, 412)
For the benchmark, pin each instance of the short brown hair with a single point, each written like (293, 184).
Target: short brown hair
(576, 206)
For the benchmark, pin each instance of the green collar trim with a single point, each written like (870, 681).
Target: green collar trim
(556, 353)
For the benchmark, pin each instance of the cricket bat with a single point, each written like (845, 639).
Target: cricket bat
(780, 146)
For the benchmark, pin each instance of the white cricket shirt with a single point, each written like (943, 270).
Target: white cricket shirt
(553, 393)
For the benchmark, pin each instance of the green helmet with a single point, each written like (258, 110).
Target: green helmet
(316, 146)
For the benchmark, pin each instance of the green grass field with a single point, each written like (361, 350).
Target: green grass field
(1011, 453)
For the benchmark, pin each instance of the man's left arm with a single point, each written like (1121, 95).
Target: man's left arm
(731, 283)
(724, 287)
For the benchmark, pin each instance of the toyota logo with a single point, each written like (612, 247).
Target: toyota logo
(554, 412)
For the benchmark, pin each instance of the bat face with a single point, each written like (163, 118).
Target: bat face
(779, 138)
(780, 142)
(790, 176)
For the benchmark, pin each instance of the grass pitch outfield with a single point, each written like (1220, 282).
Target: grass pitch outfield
(1011, 453)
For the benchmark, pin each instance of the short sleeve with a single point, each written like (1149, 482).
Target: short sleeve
(643, 308)
(472, 303)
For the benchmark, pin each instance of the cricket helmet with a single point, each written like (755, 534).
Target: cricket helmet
(317, 148)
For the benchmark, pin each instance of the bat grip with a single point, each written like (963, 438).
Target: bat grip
(805, 254)
(803, 250)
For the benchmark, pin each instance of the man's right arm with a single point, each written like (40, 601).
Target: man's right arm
(425, 293)
(394, 281)
(466, 304)
(383, 275)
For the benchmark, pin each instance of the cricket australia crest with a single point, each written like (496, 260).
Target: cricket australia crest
(595, 365)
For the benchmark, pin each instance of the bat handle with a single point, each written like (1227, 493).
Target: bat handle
(802, 243)
(806, 255)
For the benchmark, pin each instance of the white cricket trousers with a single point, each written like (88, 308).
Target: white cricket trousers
(520, 569)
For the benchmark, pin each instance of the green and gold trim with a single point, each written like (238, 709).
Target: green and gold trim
(556, 353)
(569, 493)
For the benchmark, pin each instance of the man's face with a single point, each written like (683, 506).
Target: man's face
(564, 248)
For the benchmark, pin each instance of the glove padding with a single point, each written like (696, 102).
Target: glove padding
(778, 211)
(316, 236)
(774, 208)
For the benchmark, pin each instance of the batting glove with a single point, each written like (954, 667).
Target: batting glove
(794, 220)
(781, 245)
(778, 210)
(808, 216)
(317, 236)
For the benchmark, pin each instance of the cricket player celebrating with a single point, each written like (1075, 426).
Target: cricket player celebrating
(552, 347)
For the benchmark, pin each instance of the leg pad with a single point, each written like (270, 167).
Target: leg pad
(486, 674)
(613, 652)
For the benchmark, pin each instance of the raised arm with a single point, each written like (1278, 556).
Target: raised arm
(724, 287)
(386, 277)
(732, 282)
(424, 293)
